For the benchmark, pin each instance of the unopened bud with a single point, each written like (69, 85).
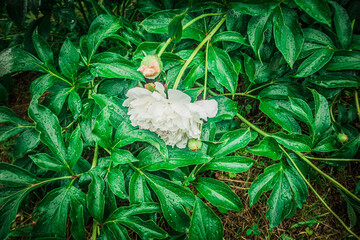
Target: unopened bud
(342, 137)
(194, 144)
(151, 66)
(150, 87)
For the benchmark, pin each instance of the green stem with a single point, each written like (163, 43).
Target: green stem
(334, 159)
(164, 47)
(206, 69)
(318, 196)
(357, 103)
(265, 85)
(188, 61)
(336, 183)
(185, 26)
(94, 230)
(252, 125)
(200, 17)
(96, 154)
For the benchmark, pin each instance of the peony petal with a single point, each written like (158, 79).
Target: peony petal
(209, 106)
(178, 96)
(160, 88)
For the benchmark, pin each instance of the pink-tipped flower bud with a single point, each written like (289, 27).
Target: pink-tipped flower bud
(151, 87)
(194, 144)
(151, 66)
(342, 138)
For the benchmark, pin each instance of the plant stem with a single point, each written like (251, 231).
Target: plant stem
(96, 154)
(318, 196)
(265, 85)
(94, 230)
(188, 61)
(164, 47)
(252, 125)
(336, 183)
(357, 103)
(185, 26)
(206, 69)
(334, 159)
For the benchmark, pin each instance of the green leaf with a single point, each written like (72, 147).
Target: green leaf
(102, 131)
(117, 111)
(69, 60)
(342, 25)
(9, 207)
(232, 141)
(47, 124)
(349, 60)
(197, 71)
(227, 109)
(205, 224)
(102, 27)
(249, 67)
(52, 212)
(275, 110)
(15, 59)
(47, 162)
(125, 135)
(229, 36)
(41, 84)
(314, 63)
(7, 115)
(148, 48)
(302, 111)
(43, 50)
(120, 156)
(268, 147)
(179, 158)
(113, 231)
(255, 31)
(77, 219)
(134, 209)
(289, 190)
(9, 131)
(117, 183)
(223, 69)
(317, 9)
(254, 8)
(316, 36)
(322, 115)
(75, 147)
(75, 104)
(288, 34)
(138, 190)
(14, 176)
(159, 21)
(172, 198)
(295, 142)
(27, 141)
(234, 164)
(176, 27)
(218, 193)
(336, 80)
(57, 97)
(145, 229)
(112, 65)
(95, 198)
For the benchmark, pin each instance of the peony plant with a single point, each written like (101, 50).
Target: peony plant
(114, 149)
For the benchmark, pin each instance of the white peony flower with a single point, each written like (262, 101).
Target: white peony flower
(174, 118)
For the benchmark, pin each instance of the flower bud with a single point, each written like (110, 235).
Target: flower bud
(151, 87)
(342, 138)
(194, 144)
(151, 66)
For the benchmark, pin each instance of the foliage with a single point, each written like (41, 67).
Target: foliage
(295, 58)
